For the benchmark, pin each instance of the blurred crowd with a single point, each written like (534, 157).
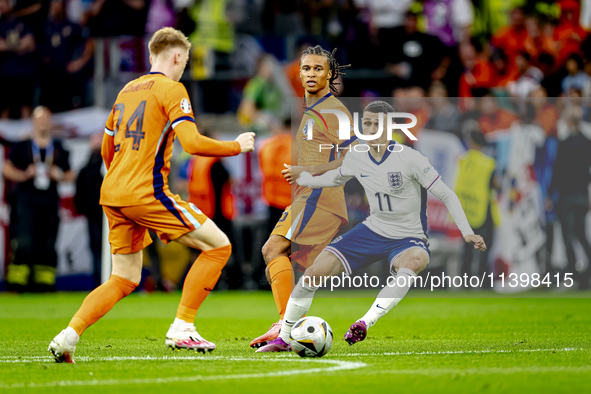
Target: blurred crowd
(468, 67)
(47, 47)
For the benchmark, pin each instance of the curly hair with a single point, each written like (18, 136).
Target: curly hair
(333, 65)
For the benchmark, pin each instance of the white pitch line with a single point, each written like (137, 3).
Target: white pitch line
(16, 359)
(336, 366)
(567, 349)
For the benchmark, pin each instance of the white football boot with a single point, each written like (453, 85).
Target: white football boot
(63, 346)
(187, 338)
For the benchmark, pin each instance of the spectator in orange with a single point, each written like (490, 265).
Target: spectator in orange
(504, 69)
(477, 73)
(540, 38)
(569, 32)
(493, 117)
(529, 79)
(510, 39)
(546, 114)
(273, 154)
(549, 42)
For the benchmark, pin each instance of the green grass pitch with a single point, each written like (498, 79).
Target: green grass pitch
(429, 345)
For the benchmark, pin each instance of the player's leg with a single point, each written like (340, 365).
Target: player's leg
(310, 230)
(125, 276)
(127, 240)
(200, 281)
(407, 266)
(279, 272)
(173, 219)
(326, 264)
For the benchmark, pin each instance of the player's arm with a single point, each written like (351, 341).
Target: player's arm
(180, 114)
(108, 145)
(452, 202)
(196, 144)
(291, 173)
(424, 173)
(12, 173)
(332, 178)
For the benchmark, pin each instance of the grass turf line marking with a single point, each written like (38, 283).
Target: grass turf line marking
(336, 366)
(17, 359)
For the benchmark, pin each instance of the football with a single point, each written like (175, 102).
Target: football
(311, 337)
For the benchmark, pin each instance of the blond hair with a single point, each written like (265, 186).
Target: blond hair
(165, 38)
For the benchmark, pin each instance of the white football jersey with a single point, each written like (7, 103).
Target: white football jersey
(396, 188)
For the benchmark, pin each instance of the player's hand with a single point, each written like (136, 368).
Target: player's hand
(477, 241)
(30, 172)
(246, 141)
(292, 173)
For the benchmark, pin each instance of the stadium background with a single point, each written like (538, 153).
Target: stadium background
(78, 54)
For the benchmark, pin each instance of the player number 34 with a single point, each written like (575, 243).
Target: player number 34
(137, 117)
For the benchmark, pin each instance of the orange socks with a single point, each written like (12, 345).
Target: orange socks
(282, 281)
(100, 301)
(200, 280)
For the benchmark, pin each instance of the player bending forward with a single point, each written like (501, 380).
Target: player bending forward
(396, 179)
(137, 146)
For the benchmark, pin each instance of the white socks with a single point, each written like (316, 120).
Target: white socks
(390, 296)
(179, 324)
(298, 305)
(72, 336)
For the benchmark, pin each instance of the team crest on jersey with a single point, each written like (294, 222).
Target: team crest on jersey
(337, 239)
(185, 106)
(395, 179)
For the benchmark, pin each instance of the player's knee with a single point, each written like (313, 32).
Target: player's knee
(318, 271)
(223, 241)
(272, 249)
(268, 251)
(268, 274)
(415, 264)
(223, 252)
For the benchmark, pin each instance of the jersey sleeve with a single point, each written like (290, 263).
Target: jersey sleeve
(178, 106)
(347, 168)
(108, 146)
(421, 169)
(197, 144)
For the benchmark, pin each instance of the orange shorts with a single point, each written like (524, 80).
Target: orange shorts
(169, 219)
(311, 228)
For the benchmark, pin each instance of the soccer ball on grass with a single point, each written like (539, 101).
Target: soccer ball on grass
(311, 337)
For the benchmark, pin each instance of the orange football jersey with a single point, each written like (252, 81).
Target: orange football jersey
(141, 126)
(317, 151)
